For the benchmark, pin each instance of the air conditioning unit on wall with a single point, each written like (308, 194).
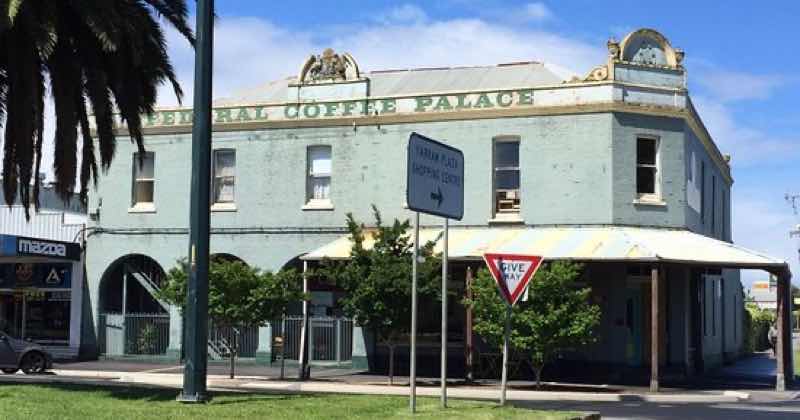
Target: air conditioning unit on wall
(507, 201)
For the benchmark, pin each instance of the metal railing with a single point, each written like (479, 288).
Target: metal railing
(133, 334)
(330, 339)
(221, 341)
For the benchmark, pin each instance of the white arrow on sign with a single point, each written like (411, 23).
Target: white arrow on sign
(512, 272)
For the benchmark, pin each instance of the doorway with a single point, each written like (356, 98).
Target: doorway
(633, 322)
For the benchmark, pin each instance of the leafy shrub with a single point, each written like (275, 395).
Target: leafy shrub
(756, 325)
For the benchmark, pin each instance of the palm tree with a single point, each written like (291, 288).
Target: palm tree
(99, 57)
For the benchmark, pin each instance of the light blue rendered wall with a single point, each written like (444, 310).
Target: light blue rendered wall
(626, 130)
(722, 207)
(575, 169)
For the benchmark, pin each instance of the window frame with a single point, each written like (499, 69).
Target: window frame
(713, 205)
(655, 196)
(513, 215)
(703, 192)
(312, 203)
(222, 205)
(142, 206)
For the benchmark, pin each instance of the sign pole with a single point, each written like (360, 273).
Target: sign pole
(304, 333)
(504, 380)
(413, 368)
(444, 313)
(194, 376)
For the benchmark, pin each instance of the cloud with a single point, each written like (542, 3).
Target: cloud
(730, 86)
(248, 51)
(762, 221)
(537, 12)
(251, 51)
(747, 146)
(459, 42)
(406, 13)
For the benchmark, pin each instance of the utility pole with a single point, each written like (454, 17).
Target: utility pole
(794, 201)
(196, 317)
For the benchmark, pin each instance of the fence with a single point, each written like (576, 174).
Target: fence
(134, 334)
(330, 339)
(221, 340)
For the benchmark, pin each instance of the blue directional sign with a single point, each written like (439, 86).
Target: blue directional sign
(435, 178)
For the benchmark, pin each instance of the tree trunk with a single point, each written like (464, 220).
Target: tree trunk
(233, 353)
(391, 364)
(537, 371)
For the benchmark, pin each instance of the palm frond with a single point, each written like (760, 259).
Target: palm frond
(111, 54)
(65, 79)
(176, 12)
(88, 162)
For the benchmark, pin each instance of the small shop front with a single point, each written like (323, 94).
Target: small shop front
(40, 292)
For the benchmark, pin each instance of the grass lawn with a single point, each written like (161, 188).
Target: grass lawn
(65, 401)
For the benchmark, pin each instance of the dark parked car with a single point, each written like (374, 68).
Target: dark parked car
(18, 354)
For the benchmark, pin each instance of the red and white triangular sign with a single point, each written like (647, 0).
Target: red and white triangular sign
(512, 272)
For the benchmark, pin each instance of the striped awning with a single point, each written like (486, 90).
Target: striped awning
(597, 243)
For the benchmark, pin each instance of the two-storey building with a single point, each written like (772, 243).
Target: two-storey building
(614, 169)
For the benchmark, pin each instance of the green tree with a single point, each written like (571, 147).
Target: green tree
(111, 54)
(238, 295)
(556, 317)
(377, 281)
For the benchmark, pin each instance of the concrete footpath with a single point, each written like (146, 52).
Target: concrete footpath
(261, 384)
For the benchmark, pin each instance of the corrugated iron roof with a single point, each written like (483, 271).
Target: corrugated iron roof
(57, 226)
(600, 243)
(422, 81)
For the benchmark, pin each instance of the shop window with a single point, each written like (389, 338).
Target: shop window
(224, 183)
(318, 187)
(647, 184)
(143, 180)
(506, 177)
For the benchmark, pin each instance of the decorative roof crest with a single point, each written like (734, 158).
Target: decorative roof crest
(328, 67)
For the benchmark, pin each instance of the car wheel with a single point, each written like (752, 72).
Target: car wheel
(10, 371)
(33, 362)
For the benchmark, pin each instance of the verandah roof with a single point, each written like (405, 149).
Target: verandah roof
(591, 243)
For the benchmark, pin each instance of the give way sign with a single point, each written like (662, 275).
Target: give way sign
(512, 272)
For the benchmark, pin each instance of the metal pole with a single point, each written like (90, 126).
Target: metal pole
(338, 341)
(125, 311)
(413, 369)
(194, 378)
(468, 328)
(283, 345)
(504, 379)
(304, 328)
(655, 325)
(444, 314)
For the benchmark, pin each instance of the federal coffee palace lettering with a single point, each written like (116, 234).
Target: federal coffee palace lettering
(353, 108)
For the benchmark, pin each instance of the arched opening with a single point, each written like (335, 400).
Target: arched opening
(135, 278)
(132, 320)
(223, 256)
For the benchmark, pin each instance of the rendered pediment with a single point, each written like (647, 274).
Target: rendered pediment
(650, 48)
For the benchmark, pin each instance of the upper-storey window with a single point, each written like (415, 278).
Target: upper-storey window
(224, 186)
(506, 176)
(647, 176)
(318, 187)
(724, 215)
(703, 192)
(143, 181)
(713, 205)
